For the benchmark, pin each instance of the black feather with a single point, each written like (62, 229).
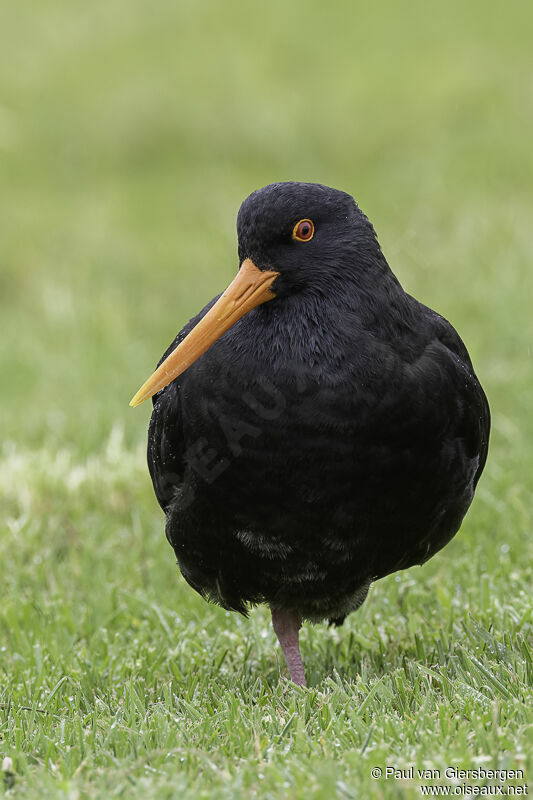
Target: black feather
(333, 435)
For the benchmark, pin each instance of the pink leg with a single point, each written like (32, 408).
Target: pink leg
(287, 625)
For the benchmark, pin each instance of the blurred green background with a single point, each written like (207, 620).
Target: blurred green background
(129, 135)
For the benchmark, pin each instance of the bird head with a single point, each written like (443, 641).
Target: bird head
(293, 237)
(311, 235)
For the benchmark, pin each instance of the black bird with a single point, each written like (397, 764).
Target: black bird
(314, 427)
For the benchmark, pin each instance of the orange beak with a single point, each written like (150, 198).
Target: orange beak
(249, 288)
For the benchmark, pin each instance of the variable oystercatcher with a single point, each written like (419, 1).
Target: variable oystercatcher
(314, 427)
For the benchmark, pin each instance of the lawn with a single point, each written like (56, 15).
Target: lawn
(129, 134)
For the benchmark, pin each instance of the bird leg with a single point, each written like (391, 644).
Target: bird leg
(287, 625)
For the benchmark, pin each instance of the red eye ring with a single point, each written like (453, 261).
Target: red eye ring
(303, 231)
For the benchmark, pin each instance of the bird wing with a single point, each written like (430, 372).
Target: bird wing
(166, 443)
(475, 425)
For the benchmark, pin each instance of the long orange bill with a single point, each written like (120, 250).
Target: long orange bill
(249, 288)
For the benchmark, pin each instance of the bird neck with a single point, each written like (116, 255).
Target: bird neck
(316, 325)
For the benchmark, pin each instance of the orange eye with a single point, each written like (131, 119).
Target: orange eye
(303, 231)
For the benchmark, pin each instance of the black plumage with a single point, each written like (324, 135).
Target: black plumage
(331, 436)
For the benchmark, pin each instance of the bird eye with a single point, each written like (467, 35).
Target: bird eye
(303, 231)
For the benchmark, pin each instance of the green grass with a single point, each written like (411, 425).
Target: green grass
(129, 134)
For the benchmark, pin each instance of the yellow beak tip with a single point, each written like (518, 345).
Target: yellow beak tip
(136, 401)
